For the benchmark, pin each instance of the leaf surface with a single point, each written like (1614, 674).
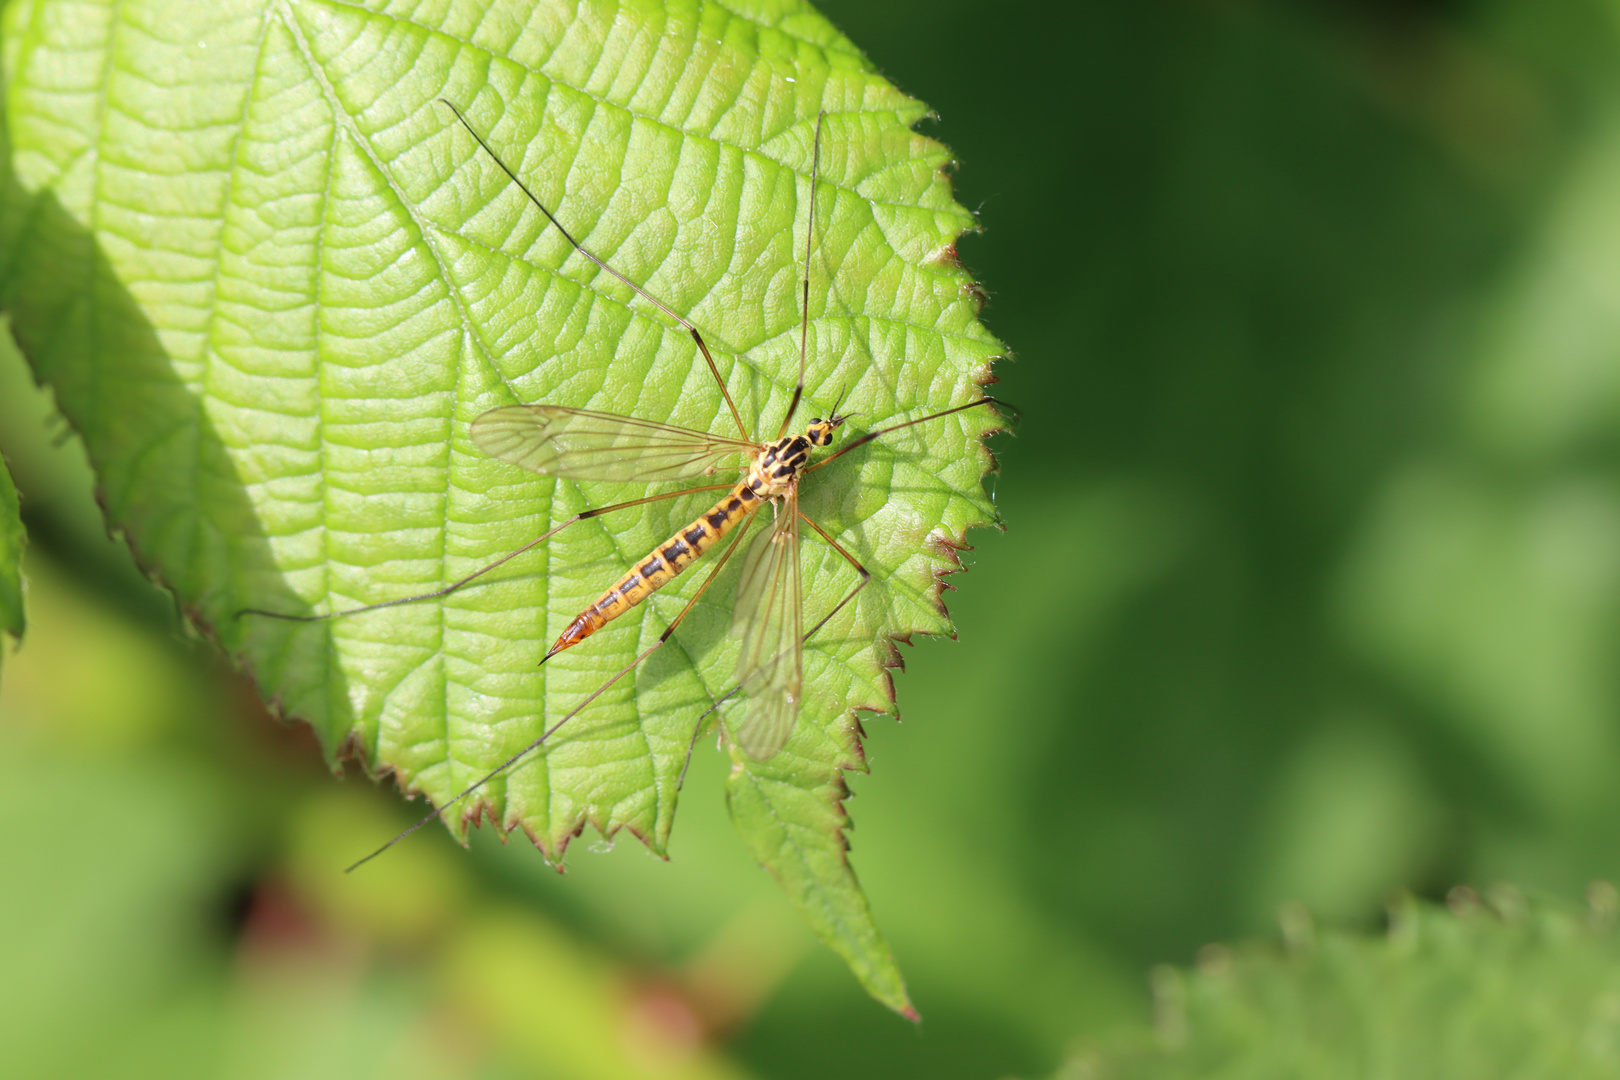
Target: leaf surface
(273, 283)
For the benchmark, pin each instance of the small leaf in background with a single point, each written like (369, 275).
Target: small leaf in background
(12, 540)
(1510, 988)
(272, 288)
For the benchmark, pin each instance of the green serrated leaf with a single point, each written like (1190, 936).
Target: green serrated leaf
(1517, 989)
(12, 540)
(790, 811)
(272, 282)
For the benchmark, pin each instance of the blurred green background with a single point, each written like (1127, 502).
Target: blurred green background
(1310, 592)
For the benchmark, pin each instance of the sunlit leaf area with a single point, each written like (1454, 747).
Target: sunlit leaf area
(1275, 733)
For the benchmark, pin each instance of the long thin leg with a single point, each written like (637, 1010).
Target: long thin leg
(481, 571)
(804, 286)
(866, 576)
(575, 711)
(870, 435)
(697, 336)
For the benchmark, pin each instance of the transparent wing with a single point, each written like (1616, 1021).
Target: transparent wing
(578, 444)
(770, 670)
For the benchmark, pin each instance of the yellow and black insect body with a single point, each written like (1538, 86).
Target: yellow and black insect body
(773, 473)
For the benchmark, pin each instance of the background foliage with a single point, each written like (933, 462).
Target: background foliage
(1506, 988)
(1309, 593)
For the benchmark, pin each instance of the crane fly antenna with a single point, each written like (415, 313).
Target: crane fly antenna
(835, 416)
(697, 336)
(804, 284)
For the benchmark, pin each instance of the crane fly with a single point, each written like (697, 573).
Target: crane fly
(586, 445)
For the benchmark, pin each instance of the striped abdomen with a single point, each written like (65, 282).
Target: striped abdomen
(666, 560)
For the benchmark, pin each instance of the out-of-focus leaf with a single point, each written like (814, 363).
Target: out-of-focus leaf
(272, 282)
(1487, 575)
(1510, 989)
(12, 539)
(202, 945)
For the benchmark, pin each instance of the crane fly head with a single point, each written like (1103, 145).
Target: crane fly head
(820, 432)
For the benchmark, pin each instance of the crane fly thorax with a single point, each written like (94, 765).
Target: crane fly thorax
(779, 464)
(777, 468)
